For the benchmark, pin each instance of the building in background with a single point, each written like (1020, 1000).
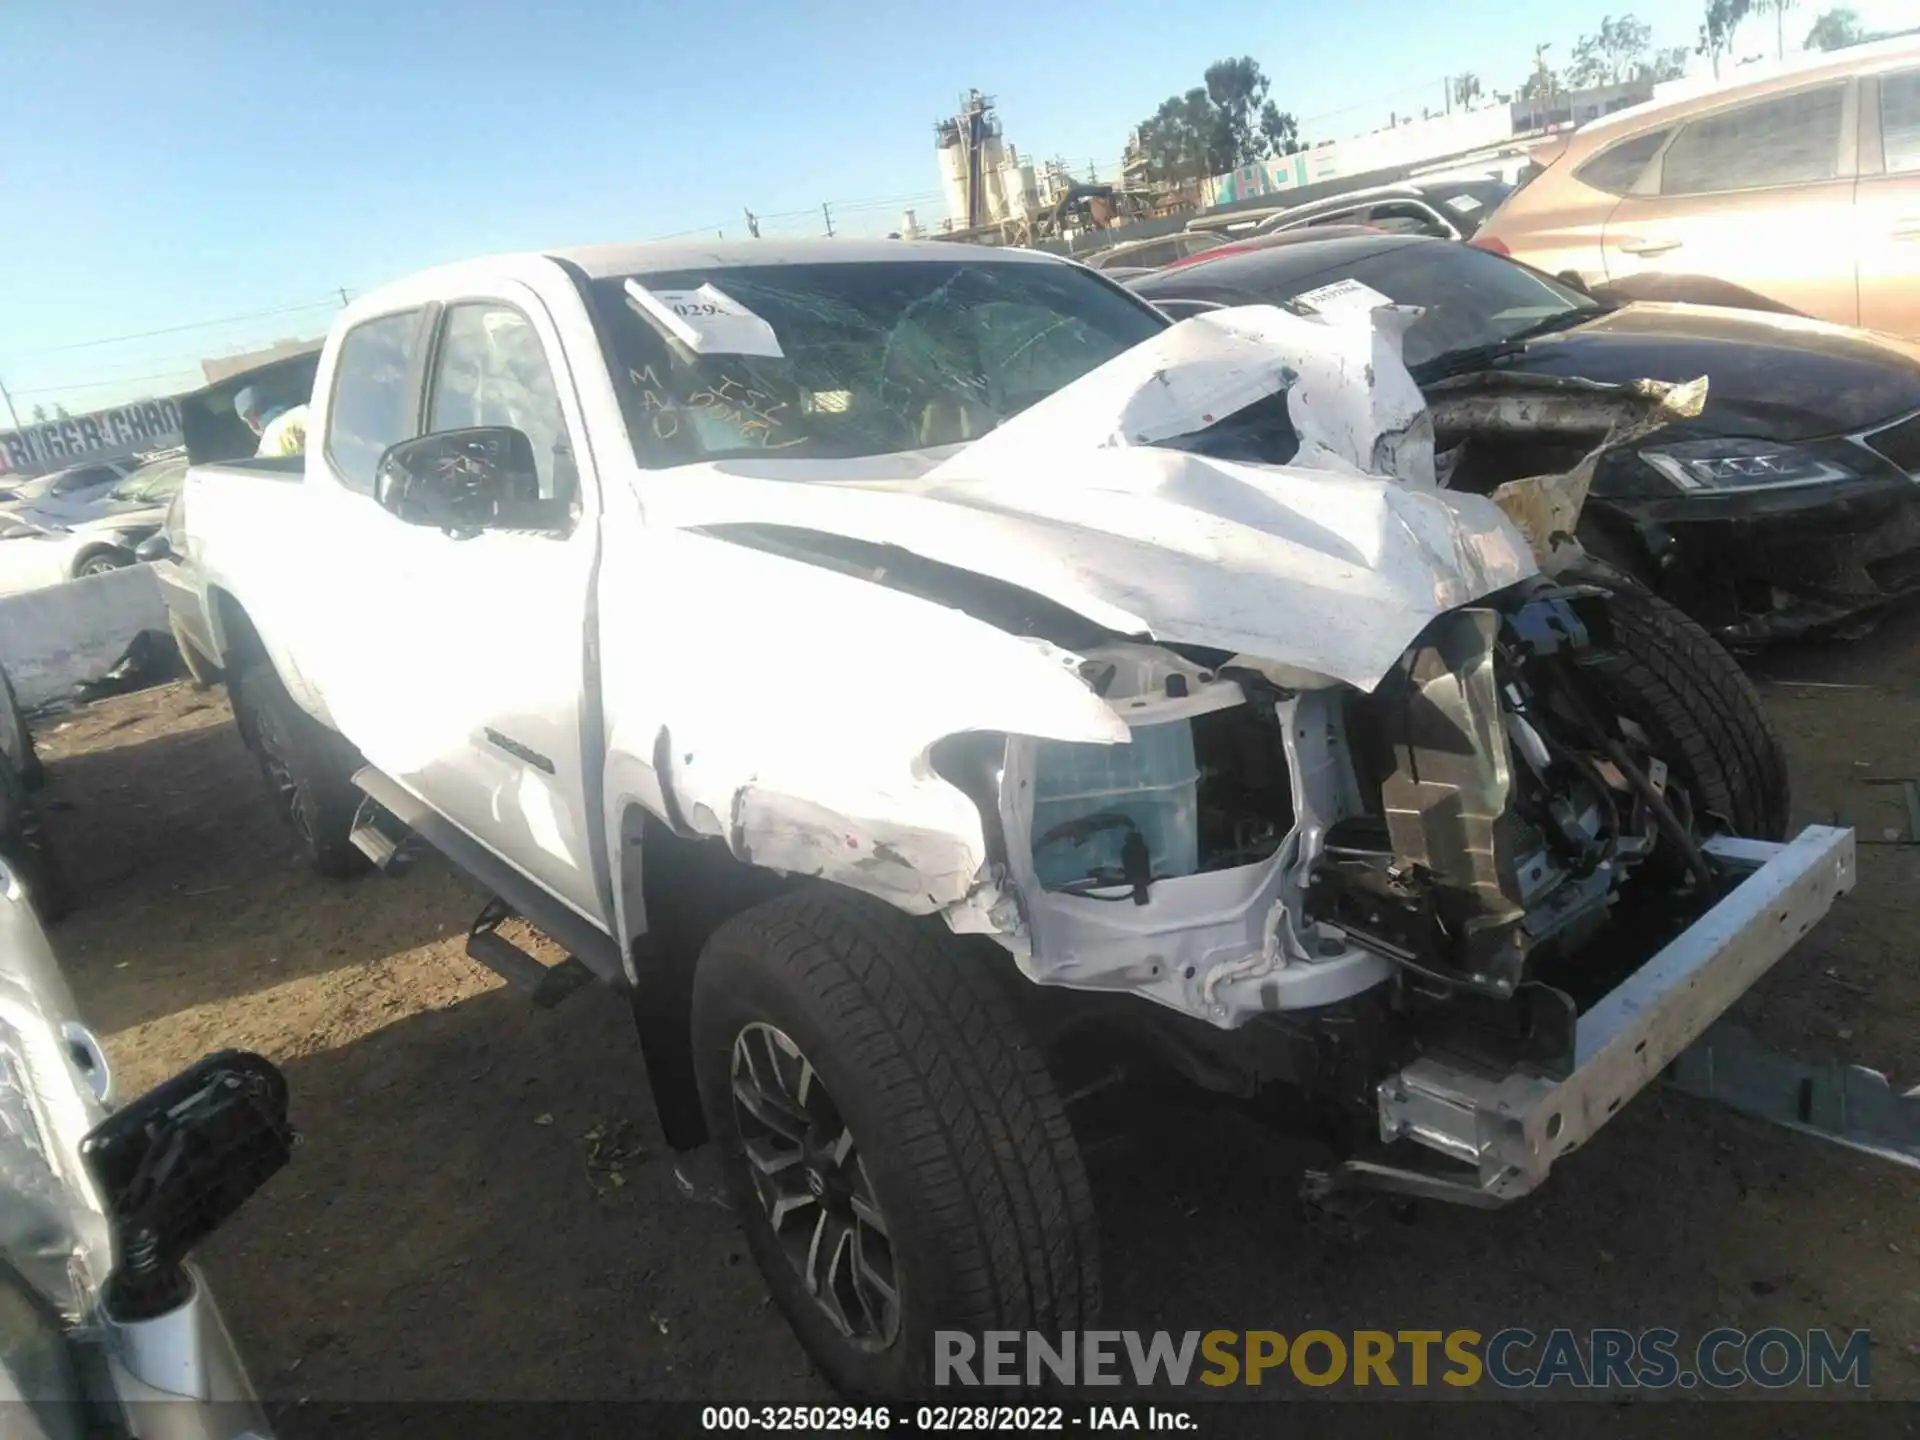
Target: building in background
(222, 366)
(116, 433)
(983, 178)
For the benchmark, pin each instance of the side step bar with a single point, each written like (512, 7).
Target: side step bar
(390, 827)
(383, 838)
(547, 985)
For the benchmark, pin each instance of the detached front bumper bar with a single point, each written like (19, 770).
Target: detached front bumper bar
(1506, 1130)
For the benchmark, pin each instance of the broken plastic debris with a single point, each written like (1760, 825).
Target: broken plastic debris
(697, 1173)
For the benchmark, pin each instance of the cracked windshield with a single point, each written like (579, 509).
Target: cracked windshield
(854, 360)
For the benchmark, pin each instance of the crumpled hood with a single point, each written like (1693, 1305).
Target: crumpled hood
(1780, 377)
(1315, 570)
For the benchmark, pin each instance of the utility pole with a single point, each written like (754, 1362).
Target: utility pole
(826, 213)
(341, 291)
(753, 224)
(12, 414)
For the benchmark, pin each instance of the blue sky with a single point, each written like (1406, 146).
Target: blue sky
(172, 164)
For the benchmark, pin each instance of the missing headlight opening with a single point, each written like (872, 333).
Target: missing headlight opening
(1469, 824)
(1201, 786)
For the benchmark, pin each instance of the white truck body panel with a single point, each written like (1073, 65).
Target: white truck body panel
(434, 642)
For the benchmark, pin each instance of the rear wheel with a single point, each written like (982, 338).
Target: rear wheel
(891, 1139)
(1700, 713)
(308, 768)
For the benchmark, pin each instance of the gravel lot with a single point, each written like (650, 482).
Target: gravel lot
(483, 1209)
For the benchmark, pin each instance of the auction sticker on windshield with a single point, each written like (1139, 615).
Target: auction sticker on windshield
(707, 320)
(1343, 297)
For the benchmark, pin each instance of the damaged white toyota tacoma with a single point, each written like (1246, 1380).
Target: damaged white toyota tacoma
(916, 673)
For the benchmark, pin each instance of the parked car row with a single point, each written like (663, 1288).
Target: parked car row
(1789, 504)
(1802, 187)
(74, 483)
(68, 536)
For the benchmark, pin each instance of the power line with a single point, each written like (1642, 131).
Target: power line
(327, 304)
(102, 384)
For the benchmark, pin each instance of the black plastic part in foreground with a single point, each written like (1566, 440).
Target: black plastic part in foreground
(175, 1164)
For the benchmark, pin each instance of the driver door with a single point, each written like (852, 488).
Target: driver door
(465, 679)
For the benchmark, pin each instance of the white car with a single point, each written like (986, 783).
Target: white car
(67, 538)
(76, 482)
(917, 676)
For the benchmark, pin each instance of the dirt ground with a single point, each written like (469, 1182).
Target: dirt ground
(483, 1209)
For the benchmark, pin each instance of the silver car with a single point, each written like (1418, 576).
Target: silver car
(104, 1330)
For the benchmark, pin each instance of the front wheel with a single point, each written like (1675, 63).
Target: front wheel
(891, 1139)
(1664, 672)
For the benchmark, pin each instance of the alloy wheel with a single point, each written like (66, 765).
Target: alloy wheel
(808, 1175)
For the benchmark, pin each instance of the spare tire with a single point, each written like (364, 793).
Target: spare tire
(1664, 672)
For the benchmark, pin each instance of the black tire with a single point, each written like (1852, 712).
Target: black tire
(954, 1118)
(100, 562)
(1698, 708)
(33, 774)
(23, 845)
(308, 768)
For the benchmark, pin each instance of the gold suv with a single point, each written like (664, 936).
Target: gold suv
(1802, 188)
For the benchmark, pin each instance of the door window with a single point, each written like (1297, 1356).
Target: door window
(1900, 123)
(492, 370)
(1792, 140)
(1332, 217)
(372, 401)
(1404, 217)
(84, 478)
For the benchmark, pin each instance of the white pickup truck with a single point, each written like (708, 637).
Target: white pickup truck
(917, 675)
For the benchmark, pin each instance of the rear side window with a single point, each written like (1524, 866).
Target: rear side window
(1900, 122)
(1794, 140)
(1616, 168)
(84, 479)
(1332, 217)
(1150, 257)
(372, 400)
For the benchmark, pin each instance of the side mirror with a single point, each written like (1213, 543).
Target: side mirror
(174, 1165)
(466, 481)
(155, 547)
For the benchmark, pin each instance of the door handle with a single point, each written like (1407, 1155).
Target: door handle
(1650, 247)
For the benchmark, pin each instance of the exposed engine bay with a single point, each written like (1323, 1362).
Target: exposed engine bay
(1470, 824)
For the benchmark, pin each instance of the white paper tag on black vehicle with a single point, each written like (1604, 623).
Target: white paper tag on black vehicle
(1343, 298)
